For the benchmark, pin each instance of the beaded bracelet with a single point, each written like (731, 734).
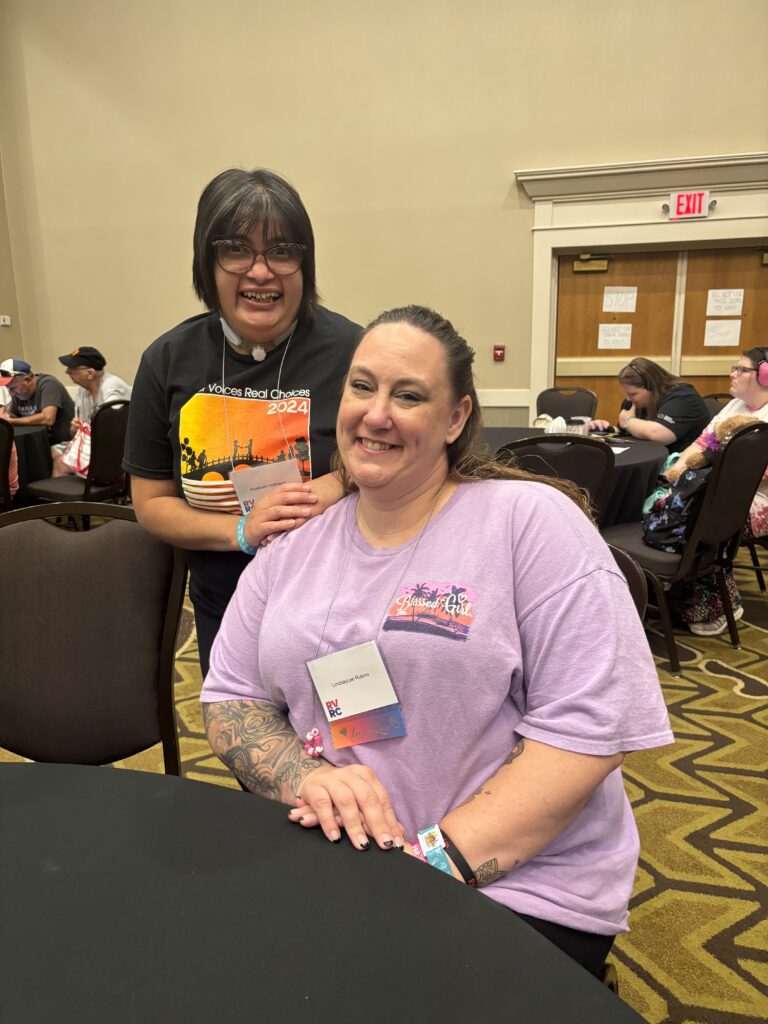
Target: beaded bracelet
(245, 547)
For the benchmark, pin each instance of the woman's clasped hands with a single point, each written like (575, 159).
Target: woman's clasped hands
(351, 800)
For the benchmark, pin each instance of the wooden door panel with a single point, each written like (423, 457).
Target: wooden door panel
(710, 385)
(725, 268)
(580, 305)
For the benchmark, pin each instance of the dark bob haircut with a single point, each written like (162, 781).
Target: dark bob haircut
(233, 205)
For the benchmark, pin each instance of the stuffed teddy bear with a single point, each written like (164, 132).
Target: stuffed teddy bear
(715, 439)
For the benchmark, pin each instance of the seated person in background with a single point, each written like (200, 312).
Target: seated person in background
(13, 467)
(700, 606)
(519, 665)
(85, 367)
(37, 398)
(658, 406)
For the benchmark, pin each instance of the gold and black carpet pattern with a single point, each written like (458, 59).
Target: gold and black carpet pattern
(698, 949)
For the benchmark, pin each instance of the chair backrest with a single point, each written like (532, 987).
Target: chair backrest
(108, 430)
(717, 401)
(635, 577)
(87, 652)
(567, 402)
(736, 473)
(584, 460)
(6, 447)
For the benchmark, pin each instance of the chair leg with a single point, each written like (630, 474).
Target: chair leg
(725, 597)
(666, 622)
(756, 564)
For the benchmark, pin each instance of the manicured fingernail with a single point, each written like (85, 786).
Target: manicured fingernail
(363, 843)
(334, 836)
(399, 843)
(388, 843)
(301, 818)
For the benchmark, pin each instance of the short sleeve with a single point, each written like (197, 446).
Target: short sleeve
(148, 449)
(591, 683)
(234, 672)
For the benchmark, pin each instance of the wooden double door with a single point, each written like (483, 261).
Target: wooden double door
(692, 312)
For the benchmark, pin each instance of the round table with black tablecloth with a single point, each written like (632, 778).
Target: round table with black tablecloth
(132, 897)
(33, 448)
(633, 478)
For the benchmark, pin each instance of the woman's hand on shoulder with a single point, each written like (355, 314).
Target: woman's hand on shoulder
(352, 800)
(282, 509)
(324, 492)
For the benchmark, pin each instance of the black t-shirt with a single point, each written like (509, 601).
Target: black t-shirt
(49, 391)
(189, 424)
(683, 411)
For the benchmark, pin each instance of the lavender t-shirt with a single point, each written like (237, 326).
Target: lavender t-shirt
(511, 618)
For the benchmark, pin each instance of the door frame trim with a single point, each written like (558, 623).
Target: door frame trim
(618, 208)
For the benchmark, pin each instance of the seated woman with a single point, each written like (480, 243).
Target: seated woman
(477, 610)
(700, 606)
(658, 406)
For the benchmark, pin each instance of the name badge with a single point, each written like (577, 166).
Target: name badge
(357, 696)
(253, 483)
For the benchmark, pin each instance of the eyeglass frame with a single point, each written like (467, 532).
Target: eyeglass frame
(259, 252)
(739, 370)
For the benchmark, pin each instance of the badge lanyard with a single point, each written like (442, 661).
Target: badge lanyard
(290, 466)
(355, 692)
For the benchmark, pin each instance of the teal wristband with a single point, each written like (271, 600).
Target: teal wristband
(432, 845)
(245, 547)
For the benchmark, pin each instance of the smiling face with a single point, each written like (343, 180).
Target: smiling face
(397, 412)
(259, 305)
(639, 397)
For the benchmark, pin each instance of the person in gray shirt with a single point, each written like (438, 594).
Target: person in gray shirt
(37, 398)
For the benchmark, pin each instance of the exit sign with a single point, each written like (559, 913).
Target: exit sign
(684, 205)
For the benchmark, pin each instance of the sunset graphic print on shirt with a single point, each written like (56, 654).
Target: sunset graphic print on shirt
(437, 608)
(219, 434)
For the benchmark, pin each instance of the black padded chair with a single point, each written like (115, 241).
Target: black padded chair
(736, 472)
(752, 544)
(567, 402)
(105, 480)
(585, 461)
(6, 447)
(717, 401)
(88, 636)
(635, 577)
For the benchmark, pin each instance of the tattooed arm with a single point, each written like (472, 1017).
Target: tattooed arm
(523, 806)
(258, 745)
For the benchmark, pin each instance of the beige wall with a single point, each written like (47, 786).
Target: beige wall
(401, 124)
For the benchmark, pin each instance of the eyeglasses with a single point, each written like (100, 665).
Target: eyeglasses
(738, 370)
(238, 258)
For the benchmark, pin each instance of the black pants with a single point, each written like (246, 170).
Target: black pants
(585, 948)
(207, 626)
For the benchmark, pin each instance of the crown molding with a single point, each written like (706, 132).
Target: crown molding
(740, 170)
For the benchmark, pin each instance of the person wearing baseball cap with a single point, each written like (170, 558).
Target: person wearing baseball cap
(36, 399)
(95, 387)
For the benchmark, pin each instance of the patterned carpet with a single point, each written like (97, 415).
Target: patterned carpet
(698, 949)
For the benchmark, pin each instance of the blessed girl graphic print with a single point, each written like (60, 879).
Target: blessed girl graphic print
(434, 607)
(222, 431)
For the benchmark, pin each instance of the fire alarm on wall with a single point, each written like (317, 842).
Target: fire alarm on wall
(499, 353)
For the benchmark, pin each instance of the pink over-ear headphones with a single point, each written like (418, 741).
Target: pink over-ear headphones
(762, 370)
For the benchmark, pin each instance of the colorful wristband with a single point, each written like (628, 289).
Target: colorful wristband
(245, 547)
(432, 846)
(459, 861)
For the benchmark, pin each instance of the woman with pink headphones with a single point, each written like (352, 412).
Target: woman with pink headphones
(703, 611)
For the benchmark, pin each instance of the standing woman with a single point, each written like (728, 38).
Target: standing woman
(253, 382)
(658, 406)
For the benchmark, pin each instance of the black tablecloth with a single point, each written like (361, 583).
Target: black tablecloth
(33, 448)
(130, 897)
(634, 473)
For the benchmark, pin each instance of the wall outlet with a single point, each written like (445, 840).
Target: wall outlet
(5, 321)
